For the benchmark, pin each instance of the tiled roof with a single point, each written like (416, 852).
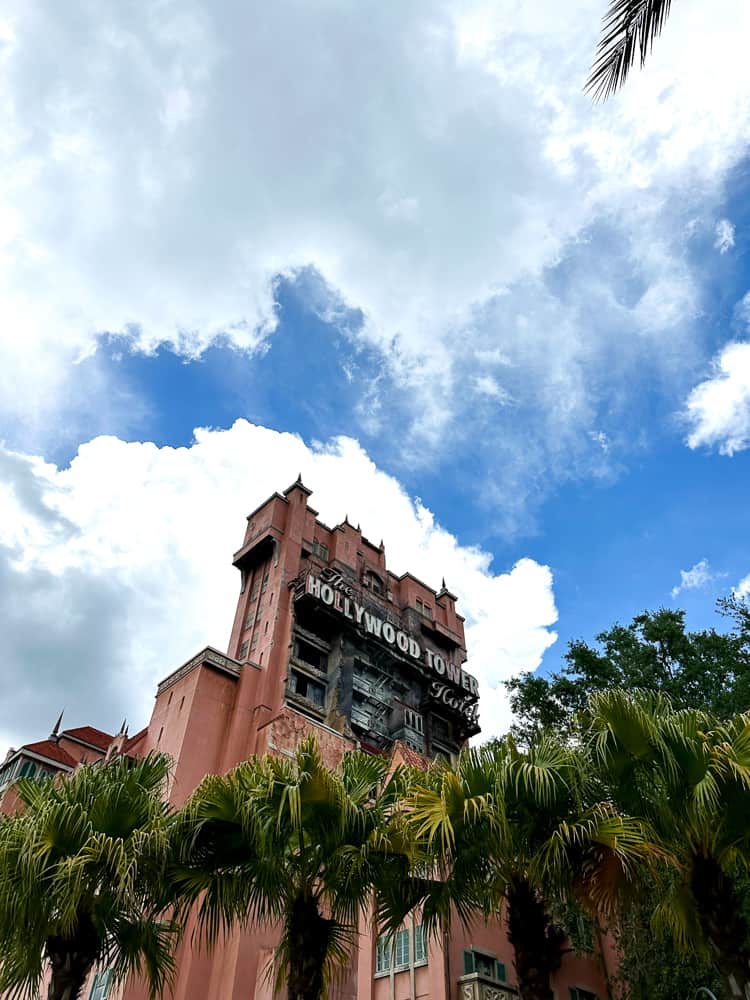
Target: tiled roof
(87, 734)
(409, 756)
(50, 750)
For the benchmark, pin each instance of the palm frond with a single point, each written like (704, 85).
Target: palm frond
(629, 29)
(85, 859)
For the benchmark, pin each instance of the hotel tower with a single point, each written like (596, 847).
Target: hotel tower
(326, 640)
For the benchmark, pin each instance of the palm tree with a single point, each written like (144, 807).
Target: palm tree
(513, 827)
(688, 776)
(293, 843)
(82, 879)
(629, 28)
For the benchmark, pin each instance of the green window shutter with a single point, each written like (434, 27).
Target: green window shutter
(500, 971)
(469, 965)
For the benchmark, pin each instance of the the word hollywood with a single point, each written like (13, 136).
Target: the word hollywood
(380, 629)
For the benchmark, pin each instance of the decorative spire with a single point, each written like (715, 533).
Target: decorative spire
(298, 484)
(444, 587)
(123, 728)
(54, 735)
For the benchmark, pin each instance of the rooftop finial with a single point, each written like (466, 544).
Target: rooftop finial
(56, 728)
(444, 587)
(123, 728)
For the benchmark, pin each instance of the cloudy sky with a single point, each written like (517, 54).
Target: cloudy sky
(393, 246)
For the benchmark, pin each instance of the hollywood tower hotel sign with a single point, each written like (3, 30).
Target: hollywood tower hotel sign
(452, 686)
(376, 655)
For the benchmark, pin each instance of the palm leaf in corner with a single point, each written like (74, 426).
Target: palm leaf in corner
(629, 29)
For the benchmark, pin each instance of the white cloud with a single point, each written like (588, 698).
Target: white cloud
(743, 587)
(486, 385)
(163, 163)
(693, 579)
(116, 569)
(602, 440)
(724, 236)
(718, 409)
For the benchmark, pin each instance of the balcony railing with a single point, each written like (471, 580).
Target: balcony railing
(475, 986)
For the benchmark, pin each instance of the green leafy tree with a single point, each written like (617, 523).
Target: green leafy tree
(82, 879)
(707, 669)
(629, 29)
(687, 774)
(517, 828)
(294, 843)
(651, 968)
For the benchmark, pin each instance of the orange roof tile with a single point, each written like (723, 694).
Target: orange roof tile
(50, 750)
(410, 756)
(87, 734)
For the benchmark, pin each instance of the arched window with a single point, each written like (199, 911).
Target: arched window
(373, 582)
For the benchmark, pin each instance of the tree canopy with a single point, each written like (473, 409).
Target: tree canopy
(706, 669)
(82, 879)
(294, 843)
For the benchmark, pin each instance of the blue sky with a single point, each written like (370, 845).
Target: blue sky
(399, 249)
(615, 545)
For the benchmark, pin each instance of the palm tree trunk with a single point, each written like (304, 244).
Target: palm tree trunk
(722, 923)
(71, 959)
(308, 934)
(70, 969)
(537, 943)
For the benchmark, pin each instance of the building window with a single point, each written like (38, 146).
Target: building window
(256, 588)
(578, 993)
(171, 693)
(265, 629)
(243, 649)
(306, 687)
(264, 588)
(320, 550)
(402, 950)
(249, 621)
(28, 769)
(254, 643)
(158, 738)
(423, 608)
(182, 702)
(100, 985)
(420, 944)
(308, 653)
(383, 955)
(485, 965)
(441, 728)
(413, 720)
(395, 950)
(9, 774)
(373, 582)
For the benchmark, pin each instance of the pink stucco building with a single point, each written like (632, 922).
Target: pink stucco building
(325, 638)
